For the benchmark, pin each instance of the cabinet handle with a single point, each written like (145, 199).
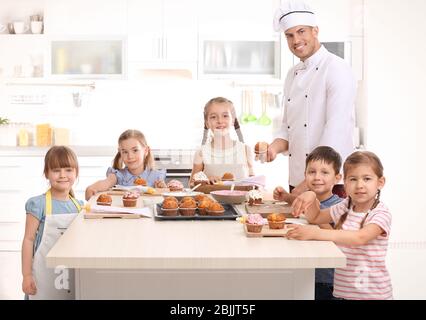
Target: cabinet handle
(160, 48)
(165, 49)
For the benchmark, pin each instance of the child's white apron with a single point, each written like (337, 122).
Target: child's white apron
(53, 283)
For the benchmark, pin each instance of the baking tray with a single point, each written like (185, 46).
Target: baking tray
(229, 214)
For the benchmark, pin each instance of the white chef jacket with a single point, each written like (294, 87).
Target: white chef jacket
(319, 109)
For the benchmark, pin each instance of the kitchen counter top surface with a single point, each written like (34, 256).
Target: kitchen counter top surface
(146, 243)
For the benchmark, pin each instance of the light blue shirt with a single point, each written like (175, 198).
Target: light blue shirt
(125, 178)
(327, 203)
(36, 206)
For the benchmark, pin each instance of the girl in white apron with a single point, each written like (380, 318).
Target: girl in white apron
(48, 216)
(222, 154)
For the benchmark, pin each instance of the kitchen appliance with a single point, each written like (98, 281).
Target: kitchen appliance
(176, 162)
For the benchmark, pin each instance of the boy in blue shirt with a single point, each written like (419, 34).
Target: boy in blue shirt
(322, 172)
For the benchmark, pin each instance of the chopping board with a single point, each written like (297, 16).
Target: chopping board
(92, 215)
(214, 187)
(267, 232)
(270, 207)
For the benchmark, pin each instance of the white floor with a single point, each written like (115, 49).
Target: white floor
(406, 265)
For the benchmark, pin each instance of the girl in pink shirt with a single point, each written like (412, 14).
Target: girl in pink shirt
(362, 227)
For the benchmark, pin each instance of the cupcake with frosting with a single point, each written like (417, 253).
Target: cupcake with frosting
(130, 199)
(175, 185)
(200, 178)
(254, 223)
(254, 197)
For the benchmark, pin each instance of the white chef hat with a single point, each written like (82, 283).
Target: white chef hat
(293, 13)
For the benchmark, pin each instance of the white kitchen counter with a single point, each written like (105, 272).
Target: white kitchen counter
(177, 259)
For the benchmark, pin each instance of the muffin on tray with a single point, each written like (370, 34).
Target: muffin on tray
(276, 220)
(139, 182)
(104, 200)
(130, 199)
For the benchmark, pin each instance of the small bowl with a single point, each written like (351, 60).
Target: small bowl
(169, 212)
(229, 197)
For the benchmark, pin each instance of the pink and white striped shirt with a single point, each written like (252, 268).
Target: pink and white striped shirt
(365, 276)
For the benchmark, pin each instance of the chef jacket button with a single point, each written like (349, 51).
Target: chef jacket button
(305, 125)
(306, 95)
(317, 68)
(296, 73)
(307, 154)
(288, 100)
(289, 155)
(288, 127)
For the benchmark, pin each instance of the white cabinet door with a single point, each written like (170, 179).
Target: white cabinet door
(181, 30)
(82, 17)
(237, 19)
(162, 30)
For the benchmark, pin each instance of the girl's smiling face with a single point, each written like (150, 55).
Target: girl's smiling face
(133, 153)
(361, 184)
(62, 179)
(219, 118)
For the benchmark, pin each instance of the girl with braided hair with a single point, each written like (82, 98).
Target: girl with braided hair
(221, 154)
(362, 227)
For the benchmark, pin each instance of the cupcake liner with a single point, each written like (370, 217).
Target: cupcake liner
(255, 228)
(169, 212)
(276, 224)
(187, 211)
(215, 212)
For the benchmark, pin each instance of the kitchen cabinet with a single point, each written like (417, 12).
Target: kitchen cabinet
(87, 57)
(237, 19)
(22, 178)
(82, 17)
(162, 32)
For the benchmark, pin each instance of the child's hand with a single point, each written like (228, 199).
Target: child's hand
(280, 193)
(214, 179)
(299, 232)
(160, 184)
(303, 202)
(28, 285)
(90, 192)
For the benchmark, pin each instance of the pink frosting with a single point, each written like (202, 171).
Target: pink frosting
(255, 218)
(176, 184)
(130, 195)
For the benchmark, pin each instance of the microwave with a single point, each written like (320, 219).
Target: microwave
(225, 59)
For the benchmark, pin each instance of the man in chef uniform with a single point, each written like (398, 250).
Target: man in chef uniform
(319, 96)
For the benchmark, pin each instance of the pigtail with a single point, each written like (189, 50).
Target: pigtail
(238, 130)
(205, 134)
(375, 204)
(117, 162)
(148, 162)
(343, 217)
